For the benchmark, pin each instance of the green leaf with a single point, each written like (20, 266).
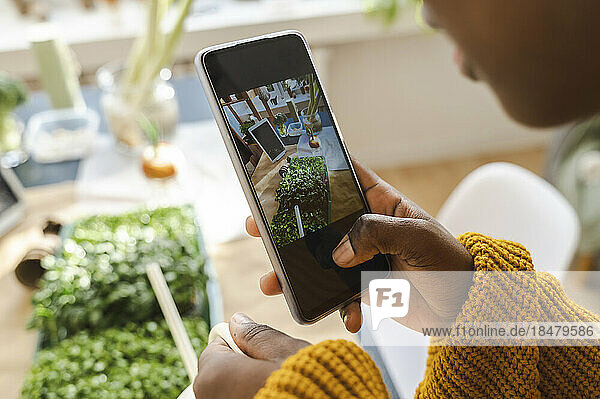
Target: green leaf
(149, 128)
(134, 361)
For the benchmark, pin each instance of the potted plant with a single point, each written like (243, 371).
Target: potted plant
(279, 120)
(248, 139)
(159, 159)
(244, 126)
(310, 115)
(12, 94)
(140, 85)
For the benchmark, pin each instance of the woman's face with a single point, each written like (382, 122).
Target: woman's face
(541, 57)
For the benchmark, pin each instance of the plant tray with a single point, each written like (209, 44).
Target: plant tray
(213, 290)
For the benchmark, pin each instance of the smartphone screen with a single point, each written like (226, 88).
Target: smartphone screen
(295, 162)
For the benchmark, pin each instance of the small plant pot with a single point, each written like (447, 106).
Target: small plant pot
(160, 161)
(282, 130)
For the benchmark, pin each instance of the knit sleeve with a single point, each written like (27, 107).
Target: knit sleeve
(511, 371)
(330, 369)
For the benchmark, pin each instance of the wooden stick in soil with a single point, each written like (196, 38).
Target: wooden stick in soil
(169, 310)
(299, 221)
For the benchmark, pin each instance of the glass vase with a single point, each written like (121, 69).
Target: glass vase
(311, 122)
(123, 105)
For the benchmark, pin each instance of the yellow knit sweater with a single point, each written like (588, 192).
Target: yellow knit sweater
(340, 369)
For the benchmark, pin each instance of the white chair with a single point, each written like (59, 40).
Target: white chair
(503, 201)
(506, 201)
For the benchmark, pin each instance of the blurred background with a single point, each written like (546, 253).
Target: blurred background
(101, 105)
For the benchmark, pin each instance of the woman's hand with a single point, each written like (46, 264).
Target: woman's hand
(413, 239)
(223, 373)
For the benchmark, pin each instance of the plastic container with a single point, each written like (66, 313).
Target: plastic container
(295, 129)
(61, 135)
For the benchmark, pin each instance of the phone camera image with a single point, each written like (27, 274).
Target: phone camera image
(299, 171)
(294, 164)
(293, 156)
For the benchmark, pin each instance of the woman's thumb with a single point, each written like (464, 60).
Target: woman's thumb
(373, 234)
(260, 341)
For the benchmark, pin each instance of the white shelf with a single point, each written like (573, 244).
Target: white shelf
(106, 34)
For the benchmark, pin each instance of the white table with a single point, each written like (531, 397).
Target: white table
(330, 148)
(207, 180)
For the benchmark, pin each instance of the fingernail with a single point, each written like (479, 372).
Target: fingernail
(344, 315)
(240, 318)
(263, 279)
(343, 253)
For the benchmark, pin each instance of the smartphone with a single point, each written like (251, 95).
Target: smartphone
(292, 163)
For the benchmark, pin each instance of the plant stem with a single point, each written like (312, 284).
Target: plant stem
(143, 48)
(163, 57)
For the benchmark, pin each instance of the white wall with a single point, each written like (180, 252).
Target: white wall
(401, 100)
